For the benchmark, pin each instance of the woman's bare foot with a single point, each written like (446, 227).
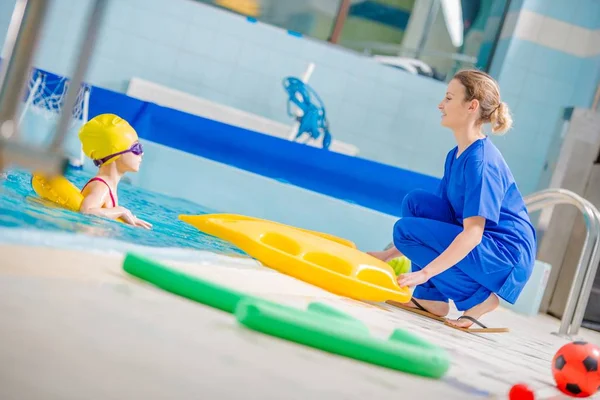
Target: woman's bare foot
(488, 305)
(385, 255)
(439, 308)
(380, 255)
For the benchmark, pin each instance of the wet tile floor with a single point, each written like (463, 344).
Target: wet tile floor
(75, 326)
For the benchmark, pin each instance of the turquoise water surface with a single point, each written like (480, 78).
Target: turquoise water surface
(23, 216)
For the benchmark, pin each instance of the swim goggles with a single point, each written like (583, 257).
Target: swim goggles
(136, 149)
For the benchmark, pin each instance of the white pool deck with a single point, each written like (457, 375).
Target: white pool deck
(75, 326)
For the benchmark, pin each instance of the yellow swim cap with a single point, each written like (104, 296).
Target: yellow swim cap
(106, 134)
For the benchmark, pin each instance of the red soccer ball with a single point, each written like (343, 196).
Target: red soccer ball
(575, 369)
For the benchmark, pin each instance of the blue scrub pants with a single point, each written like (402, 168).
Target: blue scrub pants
(426, 229)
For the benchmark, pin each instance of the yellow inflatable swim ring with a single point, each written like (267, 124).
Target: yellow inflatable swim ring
(58, 190)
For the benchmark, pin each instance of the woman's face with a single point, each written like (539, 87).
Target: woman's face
(455, 110)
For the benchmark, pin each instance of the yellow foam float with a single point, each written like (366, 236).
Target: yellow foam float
(324, 260)
(237, 217)
(58, 190)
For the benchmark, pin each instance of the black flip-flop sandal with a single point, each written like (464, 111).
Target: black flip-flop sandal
(483, 329)
(419, 310)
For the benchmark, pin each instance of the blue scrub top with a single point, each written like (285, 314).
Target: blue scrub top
(479, 183)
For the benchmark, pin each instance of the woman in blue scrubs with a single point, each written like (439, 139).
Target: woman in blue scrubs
(472, 242)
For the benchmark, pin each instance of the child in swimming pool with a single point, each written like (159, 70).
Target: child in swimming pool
(113, 145)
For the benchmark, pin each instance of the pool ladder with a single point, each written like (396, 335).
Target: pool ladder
(19, 48)
(587, 265)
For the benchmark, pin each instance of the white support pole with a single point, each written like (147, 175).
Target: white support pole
(32, 93)
(84, 117)
(78, 162)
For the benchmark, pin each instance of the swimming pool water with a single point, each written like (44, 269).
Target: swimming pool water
(24, 215)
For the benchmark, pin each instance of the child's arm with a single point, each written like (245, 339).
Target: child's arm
(96, 197)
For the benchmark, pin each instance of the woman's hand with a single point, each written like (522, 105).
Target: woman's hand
(413, 278)
(460, 247)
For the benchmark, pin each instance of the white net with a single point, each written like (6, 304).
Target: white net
(45, 97)
(46, 94)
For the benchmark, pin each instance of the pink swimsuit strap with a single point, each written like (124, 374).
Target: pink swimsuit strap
(109, 191)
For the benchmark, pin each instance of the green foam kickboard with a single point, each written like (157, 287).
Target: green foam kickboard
(328, 310)
(320, 326)
(218, 296)
(182, 284)
(402, 336)
(429, 361)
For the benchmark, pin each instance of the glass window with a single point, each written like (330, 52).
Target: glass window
(314, 18)
(428, 37)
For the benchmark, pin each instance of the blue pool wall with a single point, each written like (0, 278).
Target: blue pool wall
(390, 115)
(226, 188)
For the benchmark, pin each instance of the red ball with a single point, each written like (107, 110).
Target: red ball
(520, 391)
(575, 369)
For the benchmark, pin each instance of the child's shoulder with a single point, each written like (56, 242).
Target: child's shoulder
(95, 183)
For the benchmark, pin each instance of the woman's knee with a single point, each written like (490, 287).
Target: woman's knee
(422, 204)
(411, 202)
(402, 231)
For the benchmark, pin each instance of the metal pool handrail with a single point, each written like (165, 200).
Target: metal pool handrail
(21, 43)
(588, 281)
(588, 261)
